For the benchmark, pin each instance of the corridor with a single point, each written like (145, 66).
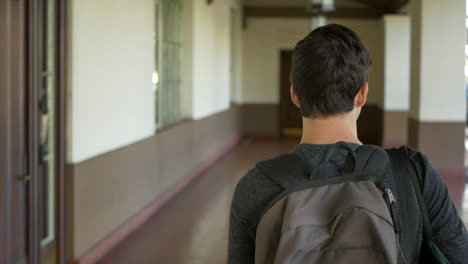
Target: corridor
(125, 125)
(193, 227)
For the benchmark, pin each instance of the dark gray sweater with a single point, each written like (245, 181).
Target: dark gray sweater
(255, 190)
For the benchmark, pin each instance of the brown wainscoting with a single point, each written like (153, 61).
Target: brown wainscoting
(395, 128)
(261, 120)
(136, 221)
(106, 192)
(69, 214)
(370, 125)
(442, 142)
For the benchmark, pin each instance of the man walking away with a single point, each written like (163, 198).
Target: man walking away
(333, 199)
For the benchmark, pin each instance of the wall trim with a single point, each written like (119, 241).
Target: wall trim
(108, 243)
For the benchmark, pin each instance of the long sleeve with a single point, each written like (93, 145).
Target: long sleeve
(241, 249)
(449, 231)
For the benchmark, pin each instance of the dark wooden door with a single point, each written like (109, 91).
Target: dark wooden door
(290, 117)
(31, 140)
(14, 205)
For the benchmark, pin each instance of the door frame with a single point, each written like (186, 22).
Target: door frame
(34, 64)
(12, 118)
(62, 62)
(22, 17)
(281, 112)
(284, 99)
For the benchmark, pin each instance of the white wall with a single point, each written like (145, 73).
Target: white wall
(369, 31)
(236, 53)
(265, 37)
(438, 59)
(111, 56)
(211, 57)
(396, 62)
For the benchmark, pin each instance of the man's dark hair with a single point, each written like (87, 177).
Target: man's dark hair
(329, 67)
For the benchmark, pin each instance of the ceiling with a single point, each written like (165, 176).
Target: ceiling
(392, 5)
(298, 3)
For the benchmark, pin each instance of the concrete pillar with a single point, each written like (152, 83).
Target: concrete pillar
(396, 81)
(317, 21)
(437, 107)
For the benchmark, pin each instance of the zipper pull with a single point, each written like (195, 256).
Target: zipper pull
(394, 210)
(391, 198)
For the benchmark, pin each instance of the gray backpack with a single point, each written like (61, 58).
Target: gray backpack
(352, 218)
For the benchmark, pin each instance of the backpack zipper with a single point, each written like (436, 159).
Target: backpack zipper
(394, 210)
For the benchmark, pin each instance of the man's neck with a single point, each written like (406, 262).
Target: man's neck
(330, 130)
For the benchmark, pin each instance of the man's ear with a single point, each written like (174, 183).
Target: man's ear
(361, 97)
(294, 98)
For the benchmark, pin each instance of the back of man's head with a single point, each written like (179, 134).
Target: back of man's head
(329, 68)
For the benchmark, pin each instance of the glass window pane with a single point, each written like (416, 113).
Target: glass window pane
(168, 61)
(47, 133)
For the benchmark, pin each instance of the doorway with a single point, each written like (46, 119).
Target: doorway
(290, 120)
(32, 132)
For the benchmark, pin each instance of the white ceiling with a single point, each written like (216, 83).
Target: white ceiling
(297, 3)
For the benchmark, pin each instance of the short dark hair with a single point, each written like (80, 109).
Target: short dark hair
(329, 68)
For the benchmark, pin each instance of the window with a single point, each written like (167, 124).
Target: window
(47, 125)
(168, 75)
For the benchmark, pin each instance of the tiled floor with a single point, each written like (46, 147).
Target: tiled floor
(192, 229)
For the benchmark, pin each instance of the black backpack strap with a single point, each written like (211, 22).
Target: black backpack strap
(292, 164)
(366, 160)
(409, 182)
(372, 160)
(350, 162)
(430, 252)
(416, 184)
(278, 168)
(374, 163)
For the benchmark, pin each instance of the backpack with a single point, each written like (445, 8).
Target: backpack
(351, 218)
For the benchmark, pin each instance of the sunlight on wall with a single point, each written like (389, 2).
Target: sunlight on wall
(211, 58)
(111, 96)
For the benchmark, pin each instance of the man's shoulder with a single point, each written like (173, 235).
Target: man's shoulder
(255, 176)
(418, 158)
(248, 179)
(252, 194)
(246, 185)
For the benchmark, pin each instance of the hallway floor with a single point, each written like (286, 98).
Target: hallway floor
(192, 228)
